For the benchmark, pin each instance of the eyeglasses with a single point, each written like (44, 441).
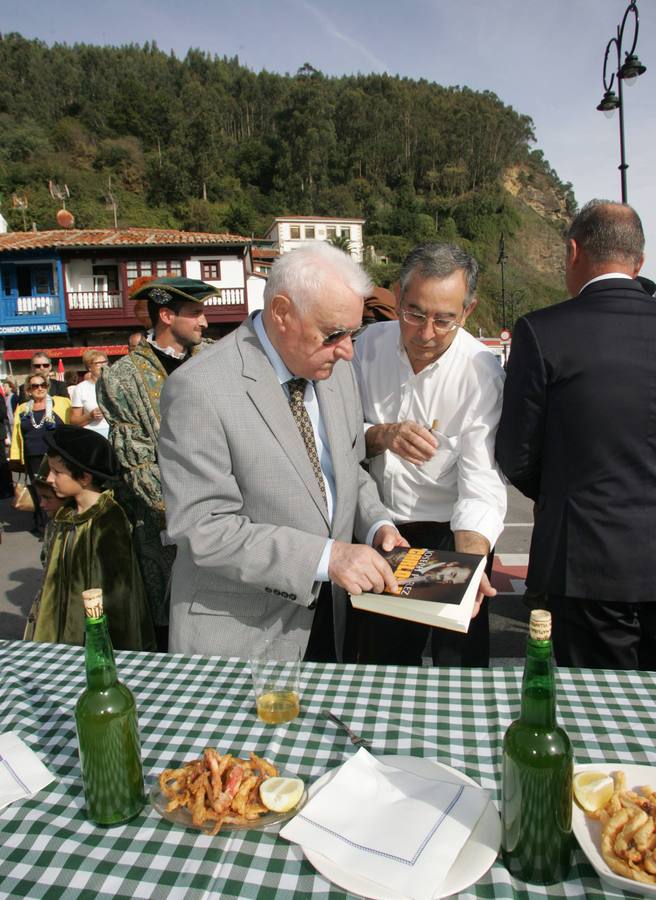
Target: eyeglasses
(41, 365)
(335, 336)
(441, 325)
(37, 384)
(99, 362)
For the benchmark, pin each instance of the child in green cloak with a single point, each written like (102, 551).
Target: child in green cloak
(91, 547)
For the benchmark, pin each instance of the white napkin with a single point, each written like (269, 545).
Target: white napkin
(22, 773)
(397, 829)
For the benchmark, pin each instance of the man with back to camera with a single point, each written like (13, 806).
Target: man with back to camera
(431, 395)
(129, 396)
(577, 436)
(263, 485)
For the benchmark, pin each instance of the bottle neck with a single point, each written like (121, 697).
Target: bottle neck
(99, 654)
(538, 686)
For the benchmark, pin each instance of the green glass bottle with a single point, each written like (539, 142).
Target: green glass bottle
(107, 728)
(536, 799)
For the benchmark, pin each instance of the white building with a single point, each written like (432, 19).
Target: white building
(290, 232)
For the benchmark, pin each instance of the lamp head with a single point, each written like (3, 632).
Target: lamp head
(631, 69)
(609, 104)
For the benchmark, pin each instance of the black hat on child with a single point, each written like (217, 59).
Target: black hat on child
(86, 449)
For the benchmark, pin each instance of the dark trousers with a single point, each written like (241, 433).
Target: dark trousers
(32, 464)
(591, 634)
(389, 641)
(321, 643)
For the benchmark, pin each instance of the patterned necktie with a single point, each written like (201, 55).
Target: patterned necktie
(301, 417)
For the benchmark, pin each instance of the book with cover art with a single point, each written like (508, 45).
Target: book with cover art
(436, 587)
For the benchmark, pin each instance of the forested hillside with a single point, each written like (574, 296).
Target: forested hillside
(206, 144)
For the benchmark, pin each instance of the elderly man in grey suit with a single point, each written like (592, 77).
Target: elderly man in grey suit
(261, 472)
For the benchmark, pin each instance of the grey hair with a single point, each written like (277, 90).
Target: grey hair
(439, 260)
(300, 273)
(608, 231)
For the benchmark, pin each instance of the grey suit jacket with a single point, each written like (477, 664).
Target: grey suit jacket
(242, 501)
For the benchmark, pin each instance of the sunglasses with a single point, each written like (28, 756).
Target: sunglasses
(37, 384)
(335, 336)
(41, 365)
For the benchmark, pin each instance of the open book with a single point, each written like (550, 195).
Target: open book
(436, 587)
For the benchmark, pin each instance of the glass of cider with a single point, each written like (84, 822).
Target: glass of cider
(276, 670)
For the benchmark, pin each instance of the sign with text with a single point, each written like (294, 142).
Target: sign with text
(50, 328)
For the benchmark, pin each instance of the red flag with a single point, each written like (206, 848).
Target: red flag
(60, 371)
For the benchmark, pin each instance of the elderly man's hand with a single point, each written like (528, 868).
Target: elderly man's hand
(358, 568)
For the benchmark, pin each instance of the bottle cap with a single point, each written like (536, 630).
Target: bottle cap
(93, 603)
(539, 628)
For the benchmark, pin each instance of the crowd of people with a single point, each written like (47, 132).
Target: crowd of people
(225, 493)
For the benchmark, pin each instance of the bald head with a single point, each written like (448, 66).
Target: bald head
(604, 237)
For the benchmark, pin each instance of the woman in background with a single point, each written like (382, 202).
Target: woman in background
(84, 406)
(35, 418)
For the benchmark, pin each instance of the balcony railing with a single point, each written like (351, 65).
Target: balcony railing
(95, 300)
(43, 305)
(229, 297)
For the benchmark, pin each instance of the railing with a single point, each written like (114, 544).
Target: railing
(44, 305)
(229, 297)
(95, 300)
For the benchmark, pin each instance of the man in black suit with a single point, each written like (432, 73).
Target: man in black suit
(41, 364)
(578, 436)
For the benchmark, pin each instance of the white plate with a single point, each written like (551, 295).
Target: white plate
(472, 863)
(588, 831)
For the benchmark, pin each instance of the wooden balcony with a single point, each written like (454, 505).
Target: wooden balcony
(100, 300)
(92, 309)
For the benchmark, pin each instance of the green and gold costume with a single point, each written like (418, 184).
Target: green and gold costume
(128, 394)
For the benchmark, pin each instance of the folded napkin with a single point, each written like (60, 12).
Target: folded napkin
(22, 773)
(397, 829)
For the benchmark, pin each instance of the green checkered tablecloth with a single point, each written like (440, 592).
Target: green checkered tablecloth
(49, 850)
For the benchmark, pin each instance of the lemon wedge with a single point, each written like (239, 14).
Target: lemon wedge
(592, 790)
(281, 794)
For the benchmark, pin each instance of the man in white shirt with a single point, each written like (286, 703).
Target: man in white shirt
(431, 395)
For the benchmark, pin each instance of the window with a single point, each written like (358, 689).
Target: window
(346, 232)
(24, 279)
(107, 275)
(6, 282)
(137, 268)
(41, 278)
(294, 232)
(309, 232)
(210, 270)
(331, 232)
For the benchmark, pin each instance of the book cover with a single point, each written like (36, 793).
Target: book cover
(436, 587)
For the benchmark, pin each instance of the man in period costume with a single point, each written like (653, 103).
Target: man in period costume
(128, 394)
(577, 436)
(263, 484)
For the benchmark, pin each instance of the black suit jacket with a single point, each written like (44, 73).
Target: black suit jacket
(578, 436)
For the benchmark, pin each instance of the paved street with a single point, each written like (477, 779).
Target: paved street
(20, 573)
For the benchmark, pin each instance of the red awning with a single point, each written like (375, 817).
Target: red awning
(66, 352)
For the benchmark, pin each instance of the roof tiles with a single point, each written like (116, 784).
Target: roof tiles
(113, 237)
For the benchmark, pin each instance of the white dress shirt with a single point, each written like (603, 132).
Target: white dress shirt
(463, 391)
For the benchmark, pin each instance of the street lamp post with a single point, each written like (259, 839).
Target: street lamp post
(501, 261)
(627, 71)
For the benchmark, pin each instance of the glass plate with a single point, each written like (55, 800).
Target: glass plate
(270, 821)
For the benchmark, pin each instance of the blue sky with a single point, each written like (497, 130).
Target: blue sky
(543, 57)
